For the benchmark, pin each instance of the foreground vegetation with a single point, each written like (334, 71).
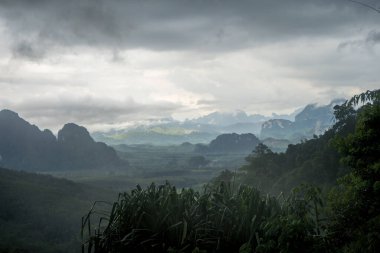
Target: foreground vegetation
(230, 218)
(39, 213)
(224, 218)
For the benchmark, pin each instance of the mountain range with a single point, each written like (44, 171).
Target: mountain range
(302, 123)
(312, 120)
(25, 146)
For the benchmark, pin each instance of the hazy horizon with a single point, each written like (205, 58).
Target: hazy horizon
(105, 127)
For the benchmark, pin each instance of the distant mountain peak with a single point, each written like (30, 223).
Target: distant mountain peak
(276, 123)
(74, 133)
(9, 115)
(7, 112)
(312, 119)
(230, 143)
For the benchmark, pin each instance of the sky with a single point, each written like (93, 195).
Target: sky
(107, 64)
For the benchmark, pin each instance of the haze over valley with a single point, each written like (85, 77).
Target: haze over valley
(189, 126)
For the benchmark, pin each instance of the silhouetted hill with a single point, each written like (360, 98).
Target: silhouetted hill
(79, 151)
(230, 143)
(24, 146)
(40, 213)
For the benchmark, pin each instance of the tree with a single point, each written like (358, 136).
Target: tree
(356, 200)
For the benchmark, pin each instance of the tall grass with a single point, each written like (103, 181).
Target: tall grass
(223, 218)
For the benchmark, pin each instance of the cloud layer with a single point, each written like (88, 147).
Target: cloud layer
(176, 25)
(111, 62)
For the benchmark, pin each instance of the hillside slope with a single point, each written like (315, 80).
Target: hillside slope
(39, 213)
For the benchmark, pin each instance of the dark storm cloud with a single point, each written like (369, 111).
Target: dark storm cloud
(373, 37)
(174, 24)
(28, 50)
(368, 42)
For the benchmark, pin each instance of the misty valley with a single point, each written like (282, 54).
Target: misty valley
(239, 192)
(189, 126)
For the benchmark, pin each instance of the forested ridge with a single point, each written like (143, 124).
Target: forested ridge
(315, 161)
(340, 212)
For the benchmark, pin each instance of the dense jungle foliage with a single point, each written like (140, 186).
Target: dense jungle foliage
(232, 216)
